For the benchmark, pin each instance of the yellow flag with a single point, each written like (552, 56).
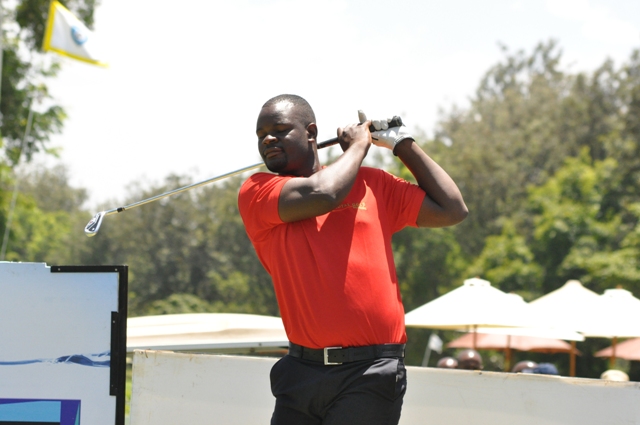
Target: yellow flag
(68, 36)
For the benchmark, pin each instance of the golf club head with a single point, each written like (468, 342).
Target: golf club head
(94, 225)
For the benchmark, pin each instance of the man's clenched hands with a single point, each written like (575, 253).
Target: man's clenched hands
(384, 136)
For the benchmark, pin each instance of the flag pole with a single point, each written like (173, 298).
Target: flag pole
(434, 344)
(427, 355)
(1, 49)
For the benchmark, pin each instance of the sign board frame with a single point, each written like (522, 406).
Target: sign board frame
(64, 334)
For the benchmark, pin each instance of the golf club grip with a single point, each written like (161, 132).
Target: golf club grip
(396, 121)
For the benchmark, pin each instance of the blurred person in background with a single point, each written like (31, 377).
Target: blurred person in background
(614, 375)
(542, 369)
(447, 363)
(521, 366)
(469, 359)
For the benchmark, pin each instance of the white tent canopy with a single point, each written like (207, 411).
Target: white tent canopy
(221, 332)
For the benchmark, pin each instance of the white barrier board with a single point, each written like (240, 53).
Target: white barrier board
(173, 389)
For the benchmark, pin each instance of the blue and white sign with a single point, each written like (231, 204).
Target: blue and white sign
(56, 333)
(26, 411)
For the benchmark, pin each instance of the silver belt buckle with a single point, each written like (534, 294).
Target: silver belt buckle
(326, 355)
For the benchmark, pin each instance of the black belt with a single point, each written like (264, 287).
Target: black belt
(339, 355)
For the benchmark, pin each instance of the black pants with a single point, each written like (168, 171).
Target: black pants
(367, 392)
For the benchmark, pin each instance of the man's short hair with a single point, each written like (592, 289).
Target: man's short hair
(305, 110)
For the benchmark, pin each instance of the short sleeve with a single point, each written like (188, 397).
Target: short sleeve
(258, 203)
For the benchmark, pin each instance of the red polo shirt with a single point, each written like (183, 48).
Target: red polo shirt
(334, 275)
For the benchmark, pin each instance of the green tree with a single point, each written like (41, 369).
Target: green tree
(25, 102)
(567, 231)
(526, 117)
(550, 164)
(508, 263)
(47, 211)
(192, 243)
(25, 70)
(178, 304)
(576, 235)
(429, 263)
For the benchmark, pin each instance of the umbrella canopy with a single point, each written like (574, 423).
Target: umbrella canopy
(540, 326)
(206, 332)
(628, 350)
(535, 332)
(475, 303)
(569, 306)
(504, 342)
(615, 314)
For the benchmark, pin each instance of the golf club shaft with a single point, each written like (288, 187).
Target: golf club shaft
(321, 145)
(189, 187)
(328, 143)
(94, 225)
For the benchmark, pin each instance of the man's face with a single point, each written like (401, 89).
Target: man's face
(283, 139)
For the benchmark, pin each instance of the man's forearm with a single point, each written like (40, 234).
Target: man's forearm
(448, 205)
(336, 180)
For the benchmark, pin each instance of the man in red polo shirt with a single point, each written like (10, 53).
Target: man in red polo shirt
(323, 233)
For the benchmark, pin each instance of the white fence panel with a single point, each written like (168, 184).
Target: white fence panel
(174, 389)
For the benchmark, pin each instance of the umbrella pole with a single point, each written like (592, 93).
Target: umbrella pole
(507, 355)
(612, 360)
(572, 359)
(475, 337)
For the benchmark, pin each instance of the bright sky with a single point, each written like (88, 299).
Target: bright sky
(187, 79)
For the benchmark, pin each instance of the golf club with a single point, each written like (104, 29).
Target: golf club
(94, 225)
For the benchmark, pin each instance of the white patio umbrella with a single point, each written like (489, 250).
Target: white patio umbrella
(541, 329)
(540, 326)
(474, 304)
(616, 314)
(569, 307)
(479, 307)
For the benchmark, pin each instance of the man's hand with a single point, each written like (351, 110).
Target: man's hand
(384, 136)
(354, 134)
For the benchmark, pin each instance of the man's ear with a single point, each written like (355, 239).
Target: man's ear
(312, 131)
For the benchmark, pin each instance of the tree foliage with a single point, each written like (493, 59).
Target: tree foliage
(548, 162)
(192, 243)
(573, 214)
(47, 212)
(28, 117)
(525, 118)
(25, 71)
